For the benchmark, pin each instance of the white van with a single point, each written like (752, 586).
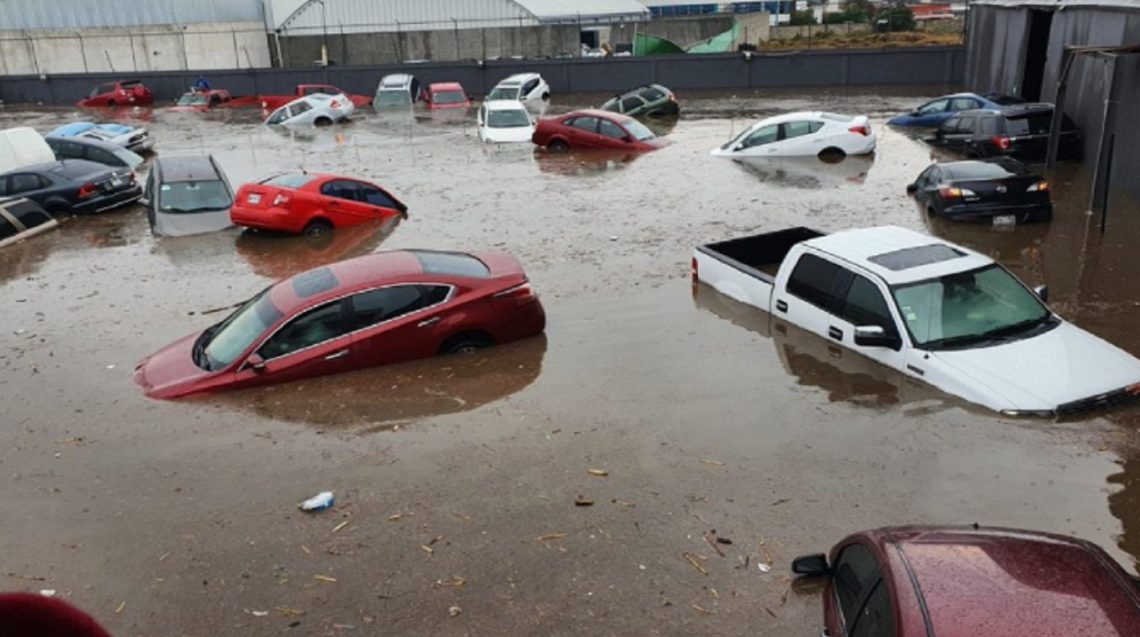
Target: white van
(20, 147)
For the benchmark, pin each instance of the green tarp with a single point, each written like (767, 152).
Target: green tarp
(652, 45)
(645, 44)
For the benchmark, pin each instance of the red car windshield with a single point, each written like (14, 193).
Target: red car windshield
(221, 344)
(449, 97)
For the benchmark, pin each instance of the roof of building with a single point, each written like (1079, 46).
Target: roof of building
(357, 16)
(69, 14)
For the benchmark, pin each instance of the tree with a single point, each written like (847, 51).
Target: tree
(802, 18)
(896, 19)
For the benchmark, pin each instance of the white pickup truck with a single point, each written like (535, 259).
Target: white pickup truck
(935, 311)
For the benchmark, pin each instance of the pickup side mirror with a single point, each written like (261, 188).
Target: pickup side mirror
(811, 565)
(876, 336)
(255, 362)
(1042, 292)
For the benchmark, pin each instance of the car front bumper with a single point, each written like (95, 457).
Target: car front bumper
(1022, 213)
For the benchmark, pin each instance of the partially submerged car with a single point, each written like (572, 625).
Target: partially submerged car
(1002, 192)
(23, 146)
(21, 219)
(187, 195)
(528, 88)
(72, 186)
(936, 111)
(1020, 131)
(121, 93)
(93, 149)
(446, 95)
(594, 129)
(129, 137)
(803, 134)
(934, 311)
(395, 91)
(972, 581)
(273, 102)
(650, 100)
(313, 110)
(312, 203)
(373, 310)
(196, 101)
(504, 121)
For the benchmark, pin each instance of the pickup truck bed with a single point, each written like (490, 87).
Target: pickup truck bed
(745, 269)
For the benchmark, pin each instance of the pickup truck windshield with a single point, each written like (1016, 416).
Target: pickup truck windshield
(967, 309)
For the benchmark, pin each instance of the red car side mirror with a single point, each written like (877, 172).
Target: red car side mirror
(255, 362)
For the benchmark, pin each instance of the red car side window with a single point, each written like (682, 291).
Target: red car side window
(385, 304)
(313, 327)
(855, 572)
(876, 618)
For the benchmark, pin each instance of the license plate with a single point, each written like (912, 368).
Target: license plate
(254, 199)
(116, 182)
(1005, 220)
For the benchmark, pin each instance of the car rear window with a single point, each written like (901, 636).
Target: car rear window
(652, 94)
(982, 170)
(291, 180)
(77, 168)
(835, 117)
(452, 264)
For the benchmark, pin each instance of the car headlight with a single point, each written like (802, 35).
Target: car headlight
(1028, 413)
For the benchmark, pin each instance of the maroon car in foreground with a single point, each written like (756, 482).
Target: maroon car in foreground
(372, 310)
(972, 582)
(594, 129)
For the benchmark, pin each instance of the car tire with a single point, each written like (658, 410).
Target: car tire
(558, 146)
(465, 343)
(832, 155)
(317, 228)
(546, 97)
(322, 121)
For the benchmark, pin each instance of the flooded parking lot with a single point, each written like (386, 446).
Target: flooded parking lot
(456, 478)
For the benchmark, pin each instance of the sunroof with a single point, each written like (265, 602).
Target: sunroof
(914, 257)
(314, 282)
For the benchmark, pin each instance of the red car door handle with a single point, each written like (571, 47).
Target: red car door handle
(335, 355)
(334, 204)
(431, 321)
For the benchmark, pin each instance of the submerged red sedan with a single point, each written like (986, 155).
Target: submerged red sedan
(312, 203)
(972, 582)
(372, 310)
(594, 129)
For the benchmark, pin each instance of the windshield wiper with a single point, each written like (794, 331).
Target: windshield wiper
(1017, 328)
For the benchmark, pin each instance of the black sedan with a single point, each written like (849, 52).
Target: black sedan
(72, 186)
(1000, 191)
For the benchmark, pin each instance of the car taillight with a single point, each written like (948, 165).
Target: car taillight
(87, 190)
(1041, 186)
(281, 200)
(524, 292)
(335, 103)
(672, 97)
(860, 130)
(950, 192)
(1002, 142)
(693, 269)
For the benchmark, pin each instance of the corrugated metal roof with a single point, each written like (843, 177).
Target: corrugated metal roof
(354, 16)
(77, 14)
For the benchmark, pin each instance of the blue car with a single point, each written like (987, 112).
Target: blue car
(134, 139)
(933, 113)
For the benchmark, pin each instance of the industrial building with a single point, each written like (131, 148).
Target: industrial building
(1082, 54)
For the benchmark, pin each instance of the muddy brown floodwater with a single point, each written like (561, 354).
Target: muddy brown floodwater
(456, 478)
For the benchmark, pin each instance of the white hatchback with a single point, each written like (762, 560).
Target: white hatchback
(504, 121)
(802, 134)
(317, 109)
(528, 88)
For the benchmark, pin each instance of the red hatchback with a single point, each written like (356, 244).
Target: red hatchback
(443, 95)
(372, 310)
(594, 129)
(312, 203)
(973, 582)
(122, 93)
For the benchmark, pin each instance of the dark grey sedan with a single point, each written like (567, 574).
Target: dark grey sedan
(72, 186)
(95, 150)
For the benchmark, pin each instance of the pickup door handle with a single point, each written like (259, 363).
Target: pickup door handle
(835, 332)
(335, 355)
(782, 306)
(431, 321)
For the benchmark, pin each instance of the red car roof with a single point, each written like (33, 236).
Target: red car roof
(343, 277)
(1007, 583)
(597, 113)
(445, 86)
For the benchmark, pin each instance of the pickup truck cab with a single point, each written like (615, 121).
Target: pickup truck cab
(932, 310)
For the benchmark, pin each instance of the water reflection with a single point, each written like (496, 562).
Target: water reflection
(576, 163)
(279, 256)
(378, 399)
(808, 172)
(844, 375)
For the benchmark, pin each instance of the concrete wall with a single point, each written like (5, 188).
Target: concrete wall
(151, 48)
(818, 30)
(942, 66)
(947, 25)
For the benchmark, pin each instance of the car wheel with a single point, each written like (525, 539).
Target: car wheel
(558, 146)
(832, 155)
(317, 228)
(323, 121)
(546, 97)
(465, 344)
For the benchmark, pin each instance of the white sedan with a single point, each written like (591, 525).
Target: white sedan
(504, 121)
(801, 135)
(528, 88)
(316, 109)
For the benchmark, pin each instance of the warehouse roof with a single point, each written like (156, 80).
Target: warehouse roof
(355, 16)
(70, 14)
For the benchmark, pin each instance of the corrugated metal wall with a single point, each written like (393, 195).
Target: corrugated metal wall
(361, 16)
(79, 14)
